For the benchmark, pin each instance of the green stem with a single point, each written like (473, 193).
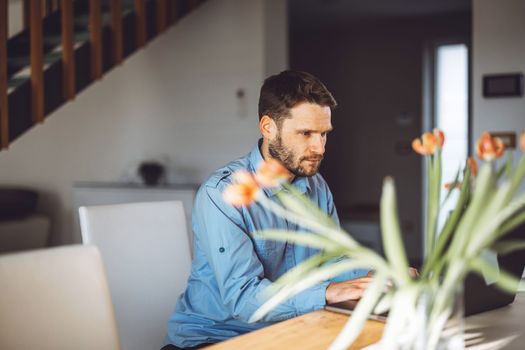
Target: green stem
(429, 204)
(450, 225)
(517, 178)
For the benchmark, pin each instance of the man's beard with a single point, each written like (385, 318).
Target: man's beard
(287, 157)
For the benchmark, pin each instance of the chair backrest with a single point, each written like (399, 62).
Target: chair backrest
(146, 253)
(56, 298)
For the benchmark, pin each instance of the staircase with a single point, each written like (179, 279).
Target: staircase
(66, 46)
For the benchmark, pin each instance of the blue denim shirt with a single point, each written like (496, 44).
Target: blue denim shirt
(231, 268)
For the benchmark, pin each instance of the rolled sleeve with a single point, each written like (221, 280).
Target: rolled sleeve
(313, 299)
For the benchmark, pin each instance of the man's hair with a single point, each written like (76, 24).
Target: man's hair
(285, 90)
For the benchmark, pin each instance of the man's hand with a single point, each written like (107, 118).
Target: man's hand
(354, 289)
(413, 272)
(347, 290)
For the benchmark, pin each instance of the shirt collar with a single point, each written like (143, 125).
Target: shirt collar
(301, 182)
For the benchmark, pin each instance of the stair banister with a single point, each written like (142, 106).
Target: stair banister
(4, 107)
(37, 61)
(68, 54)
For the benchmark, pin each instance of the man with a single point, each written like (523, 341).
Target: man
(231, 268)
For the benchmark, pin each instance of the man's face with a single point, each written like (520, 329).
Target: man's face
(300, 141)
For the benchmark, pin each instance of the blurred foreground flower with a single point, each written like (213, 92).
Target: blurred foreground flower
(271, 173)
(243, 191)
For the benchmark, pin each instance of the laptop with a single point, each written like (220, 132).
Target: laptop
(478, 296)
(348, 306)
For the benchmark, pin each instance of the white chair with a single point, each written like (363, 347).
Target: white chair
(54, 299)
(146, 253)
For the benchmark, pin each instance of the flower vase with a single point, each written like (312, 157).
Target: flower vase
(436, 323)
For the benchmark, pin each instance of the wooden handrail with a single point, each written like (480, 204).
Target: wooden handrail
(161, 15)
(47, 7)
(68, 54)
(32, 15)
(37, 61)
(140, 23)
(4, 106)
(116, 31)
(95, 35)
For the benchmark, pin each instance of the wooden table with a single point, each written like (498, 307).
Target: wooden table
(315, 330)
(496, 329)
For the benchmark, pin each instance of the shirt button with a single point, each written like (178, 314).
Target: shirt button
(225, 172)
(221, 249)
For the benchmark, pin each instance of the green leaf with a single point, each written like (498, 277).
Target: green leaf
(508, 165)
(517, 177)
(428, 243)
(433, 203)
(480, 200)
(403, 307)
(504, 280)
(300, 271)
(451, 223)
(384, 304)
(510, 246)
(391, 232)
(486, 216)
(505, 169)
(511, 223)
(363, 310)
(306, 239)
(306, 221)
(490, 258)
(452, 187)
(299, 203)
(488, 233)
(319, 275)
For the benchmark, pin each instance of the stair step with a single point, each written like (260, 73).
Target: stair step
(56, 40)
(83, 20)
(22, 61)
(15, 82)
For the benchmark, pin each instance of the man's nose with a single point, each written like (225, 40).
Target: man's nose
(317, 145)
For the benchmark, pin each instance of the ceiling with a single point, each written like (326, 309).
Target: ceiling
(312, 14)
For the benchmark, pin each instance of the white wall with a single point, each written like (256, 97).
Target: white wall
(15, 24)
(498, 47)
(175, 100)
(276, 36)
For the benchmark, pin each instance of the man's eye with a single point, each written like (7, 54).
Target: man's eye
(306, 133)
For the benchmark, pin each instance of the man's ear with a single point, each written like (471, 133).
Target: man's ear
(267, 127)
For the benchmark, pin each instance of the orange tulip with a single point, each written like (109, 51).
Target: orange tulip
(271, 173)
(489, 148)
(243, 191)
(244, 177)
(440, 136)
(473, 166)
(429, 142)
(522, 141)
